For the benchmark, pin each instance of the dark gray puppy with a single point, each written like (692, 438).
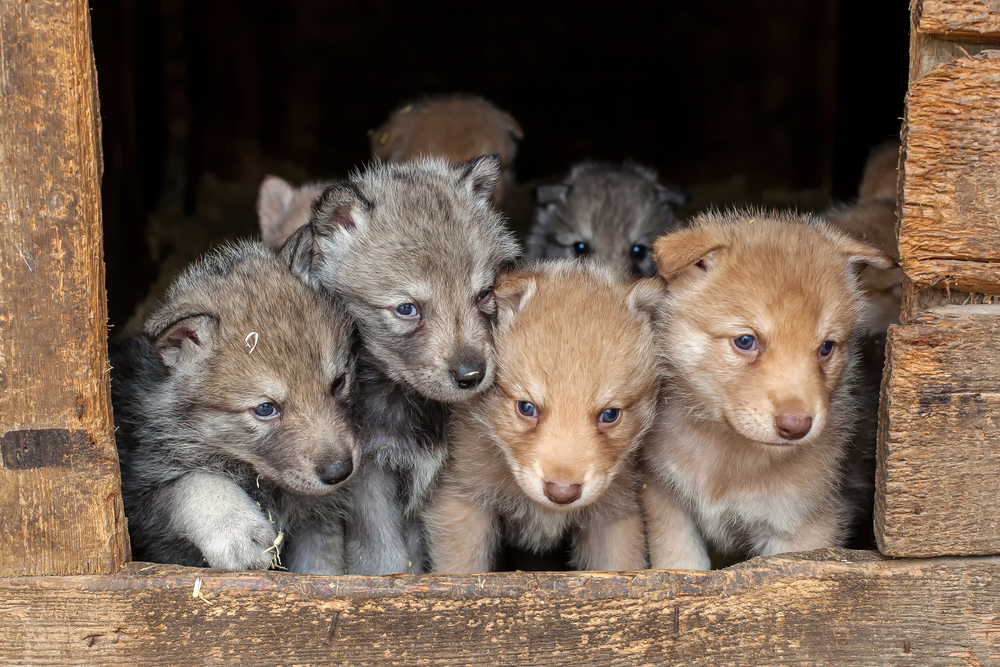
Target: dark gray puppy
(233, 415)
(604, 211)
(413, 249)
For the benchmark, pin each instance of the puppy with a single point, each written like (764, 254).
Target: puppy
(282, 208)
(759, 344)
(604, 211)
(456, 127)
(548, 451)
(233, 416)
(413, 249)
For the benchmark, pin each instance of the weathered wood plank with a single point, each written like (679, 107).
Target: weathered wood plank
(60, 506)
(824, 608)
(976, 20)
(950, 214)
(938, 475)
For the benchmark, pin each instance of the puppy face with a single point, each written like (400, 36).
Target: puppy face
(577, 379)
(414, 250)
(604, 212)
(762, 316)
(260, 371)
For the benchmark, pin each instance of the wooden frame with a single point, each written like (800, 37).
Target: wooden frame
(61, 514)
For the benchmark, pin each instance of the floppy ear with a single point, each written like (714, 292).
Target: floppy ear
(646, 298)
(481, 175)
(181, 334)
(687, 248)
(859, 252)
(512, 294)
(273, 201)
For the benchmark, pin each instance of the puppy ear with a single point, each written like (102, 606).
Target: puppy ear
(859, 252)
(646, 298)
(481, 175)
(297, 254)
(672, 196)
(546, 195)
(512, 294)
(180, 335)
(273, 201)
(687, 248)
(338, 216)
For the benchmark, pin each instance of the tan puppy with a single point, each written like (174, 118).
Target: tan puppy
(548, 451)
(457, 127)
(762, 313)
(282, 208)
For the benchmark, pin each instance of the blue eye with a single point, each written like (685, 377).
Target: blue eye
(266, 411)
(581, 249)
(407, 311)
(826, 349)
(745, 342)
(639, 252)
(527, 409)
(610, 416)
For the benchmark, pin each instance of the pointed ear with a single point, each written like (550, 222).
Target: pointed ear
(672, 196)
(274, 199)
(646, 298)
(338, 216)
(180, 334)
(686, 248)
(297, 254)
(859, 252)
(512, 294)
(481, 175)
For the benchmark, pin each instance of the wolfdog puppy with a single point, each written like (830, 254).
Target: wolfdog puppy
(233, 419)
(282, 208)
(549, 450)
(604, 211)
(413, 249)
(456, 127)
(763, 312)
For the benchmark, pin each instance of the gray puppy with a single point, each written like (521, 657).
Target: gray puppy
(233, 415)
(413, 249)
(604, 211)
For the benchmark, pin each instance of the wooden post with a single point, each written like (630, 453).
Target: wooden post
(938, 481)
(60, 498)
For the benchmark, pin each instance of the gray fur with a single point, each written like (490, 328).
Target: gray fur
(422, 233)
(205, 481)
(616, 210)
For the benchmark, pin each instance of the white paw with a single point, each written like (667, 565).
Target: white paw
(244, 542)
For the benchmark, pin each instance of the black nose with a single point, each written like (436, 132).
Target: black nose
(335, 473)
(467, 377)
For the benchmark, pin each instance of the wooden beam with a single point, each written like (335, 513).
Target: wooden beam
(938, 477)
(949, 231)
(974, 20)
(823, 608)
(60, 504)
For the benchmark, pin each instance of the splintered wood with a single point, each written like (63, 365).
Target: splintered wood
(949, 233)
(938, 474)
(975, 20)
(60, 504)
(833, 608)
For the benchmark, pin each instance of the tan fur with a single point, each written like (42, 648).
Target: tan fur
(456, 127)
(873, 220)
(717, 452)
(282, 208)
(573, 340)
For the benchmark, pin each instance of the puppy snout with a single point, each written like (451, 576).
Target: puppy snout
(467, 376)
(563, 494)
(793, 426)
(335, 472)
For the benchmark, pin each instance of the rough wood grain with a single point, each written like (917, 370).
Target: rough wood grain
(60, 506)
(976, 20)
(825, 608)
(950, 224)
(938, 475)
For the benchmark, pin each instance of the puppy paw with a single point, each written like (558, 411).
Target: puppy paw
(245, 543)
